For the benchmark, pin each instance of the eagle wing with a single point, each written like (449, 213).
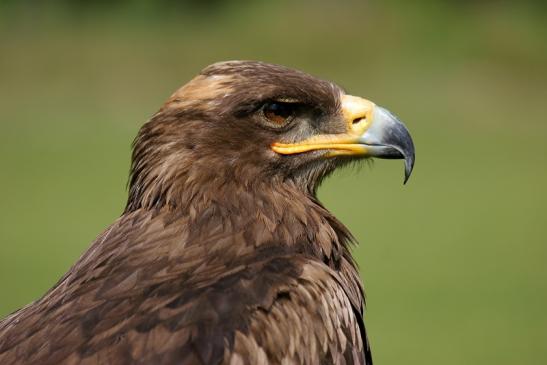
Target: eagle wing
(147, 293)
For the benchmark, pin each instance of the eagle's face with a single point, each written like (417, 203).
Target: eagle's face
(251, 122)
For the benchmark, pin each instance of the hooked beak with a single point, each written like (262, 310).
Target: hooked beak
(371, 131)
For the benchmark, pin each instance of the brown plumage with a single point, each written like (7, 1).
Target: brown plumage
(223, 253)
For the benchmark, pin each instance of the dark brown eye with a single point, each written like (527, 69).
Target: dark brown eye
(279, 113)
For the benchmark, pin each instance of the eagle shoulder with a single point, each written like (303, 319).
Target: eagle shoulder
(311, 322)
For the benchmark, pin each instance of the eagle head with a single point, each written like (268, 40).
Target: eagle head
(249, 123)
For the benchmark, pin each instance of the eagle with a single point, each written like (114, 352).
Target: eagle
(223, 254)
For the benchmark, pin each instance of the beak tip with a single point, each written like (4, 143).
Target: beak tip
(407, 176)
(409, 166)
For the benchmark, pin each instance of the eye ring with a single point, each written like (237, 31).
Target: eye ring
(278, 113)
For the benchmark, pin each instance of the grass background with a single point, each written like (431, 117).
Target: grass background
(454, 263)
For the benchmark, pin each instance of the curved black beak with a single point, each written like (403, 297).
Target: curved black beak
(387, 137)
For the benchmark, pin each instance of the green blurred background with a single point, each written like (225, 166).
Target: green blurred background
(454, 263)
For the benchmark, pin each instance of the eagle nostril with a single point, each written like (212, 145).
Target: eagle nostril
(358, 120)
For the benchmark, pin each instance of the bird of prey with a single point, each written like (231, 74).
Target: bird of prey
(223, 255)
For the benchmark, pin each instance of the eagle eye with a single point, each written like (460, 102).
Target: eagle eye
(279, 113)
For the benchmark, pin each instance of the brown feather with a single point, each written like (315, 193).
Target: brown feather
(223, 254)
